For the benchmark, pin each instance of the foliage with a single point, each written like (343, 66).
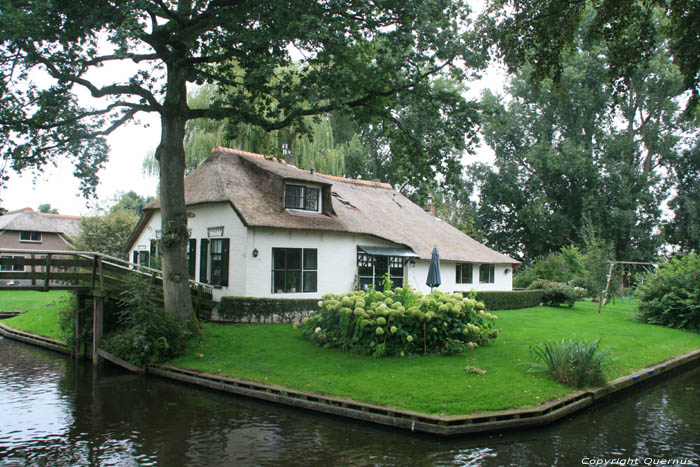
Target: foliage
(671, 295)
(237, 309)
(556, 293)
(368, 60)
(574, 363)
(147, 333)
(683, 231)
(564, 266)
(598, 255)
(107, 233)
(576, 152)
(46, 209)
(399, 322)
(510, 300)
(545, 31)
(129, 201)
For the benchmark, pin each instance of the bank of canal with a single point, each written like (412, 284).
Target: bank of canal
(55, 412)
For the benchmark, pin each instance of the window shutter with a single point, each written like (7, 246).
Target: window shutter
(192, 257)
(225, 242)
(203, 253)
(135, 257)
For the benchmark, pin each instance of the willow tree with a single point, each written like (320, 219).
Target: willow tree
(356, 55)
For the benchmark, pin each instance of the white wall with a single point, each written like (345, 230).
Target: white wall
(337, 259)
(418, 273)
(337, 256)
(206, 216)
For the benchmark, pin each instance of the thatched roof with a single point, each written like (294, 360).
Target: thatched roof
(254, 186)
(28, 220)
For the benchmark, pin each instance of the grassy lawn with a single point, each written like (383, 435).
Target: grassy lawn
(39, 310)
(277, 354)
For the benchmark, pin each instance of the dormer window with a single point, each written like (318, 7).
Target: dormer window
(302, 197)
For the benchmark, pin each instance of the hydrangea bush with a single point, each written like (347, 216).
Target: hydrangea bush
(399, 322)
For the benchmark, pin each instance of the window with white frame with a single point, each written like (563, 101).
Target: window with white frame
(302, 197)
(465, 272)
(487, 274)
(28, 236)
(294, 270)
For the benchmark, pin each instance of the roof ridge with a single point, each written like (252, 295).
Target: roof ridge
(65, 216)
(283, 161)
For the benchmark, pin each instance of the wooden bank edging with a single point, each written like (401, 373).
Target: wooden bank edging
(479, 422)
(34, 339)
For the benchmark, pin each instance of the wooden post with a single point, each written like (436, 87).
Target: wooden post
(33, 268)
(97, 303)
(101, 273)
(76, 339)
(47, 272)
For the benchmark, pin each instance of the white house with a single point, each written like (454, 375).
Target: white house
(262, 228)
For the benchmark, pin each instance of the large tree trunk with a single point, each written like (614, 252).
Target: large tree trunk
(174, 234)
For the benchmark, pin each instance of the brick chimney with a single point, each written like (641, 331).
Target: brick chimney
(429, 206)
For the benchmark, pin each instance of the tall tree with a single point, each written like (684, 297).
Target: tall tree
(544, 32)
(129, 201)
(361, 56)
(574, 151)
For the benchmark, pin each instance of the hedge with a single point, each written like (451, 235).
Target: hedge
(263, 310)
(510, 300)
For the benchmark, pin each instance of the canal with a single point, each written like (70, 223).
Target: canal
(55, 413)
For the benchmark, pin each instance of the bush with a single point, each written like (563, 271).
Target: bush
(237, 309)
(399, 322)
(556, 293)
(147, 332)
(564, 266)
(671, 296)
(574, 363)
(511, 300)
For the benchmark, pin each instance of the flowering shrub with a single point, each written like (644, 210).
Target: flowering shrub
(399, 322)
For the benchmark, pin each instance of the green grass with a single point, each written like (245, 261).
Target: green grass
(277, 354)
(28, 300)
(39, 311)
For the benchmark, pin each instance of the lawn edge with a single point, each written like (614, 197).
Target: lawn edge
(477, 422)
(34, 339)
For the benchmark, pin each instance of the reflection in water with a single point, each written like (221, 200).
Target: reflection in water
(54, 412)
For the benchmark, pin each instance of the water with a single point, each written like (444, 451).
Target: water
(55, 413)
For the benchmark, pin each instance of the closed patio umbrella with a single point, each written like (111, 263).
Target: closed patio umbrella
(434, 279)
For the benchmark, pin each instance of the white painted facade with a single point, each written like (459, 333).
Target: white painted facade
(250, 256)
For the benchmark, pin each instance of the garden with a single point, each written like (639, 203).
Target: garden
(438, 353)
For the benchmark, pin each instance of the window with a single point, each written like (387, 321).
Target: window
(487, 273)
(371, 270)
(143, 258)
(12, 267)
(191, 257)
(465, 272)
(301, 197)
(294, 270)
(214, 261)
(30, 237)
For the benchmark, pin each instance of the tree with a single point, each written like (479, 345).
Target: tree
(573, 152)
(683, 231)
(544, 32)
(46, 209)
(129, 201)
(360, 56)
(107, 233)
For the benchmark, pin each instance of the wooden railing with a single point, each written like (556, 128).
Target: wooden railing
(47, 270)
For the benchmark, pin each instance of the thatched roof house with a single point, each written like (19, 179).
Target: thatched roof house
(27, 229)
(271, 197)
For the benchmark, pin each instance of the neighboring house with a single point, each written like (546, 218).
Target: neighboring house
(263, 228)
(28, 230)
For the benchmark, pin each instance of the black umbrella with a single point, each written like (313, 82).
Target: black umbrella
(434, 279)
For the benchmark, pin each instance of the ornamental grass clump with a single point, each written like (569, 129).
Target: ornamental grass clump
(573, 363)
(400, 322)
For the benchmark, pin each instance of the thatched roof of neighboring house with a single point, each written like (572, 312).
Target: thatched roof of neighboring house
(254, 186)
(28, 220)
